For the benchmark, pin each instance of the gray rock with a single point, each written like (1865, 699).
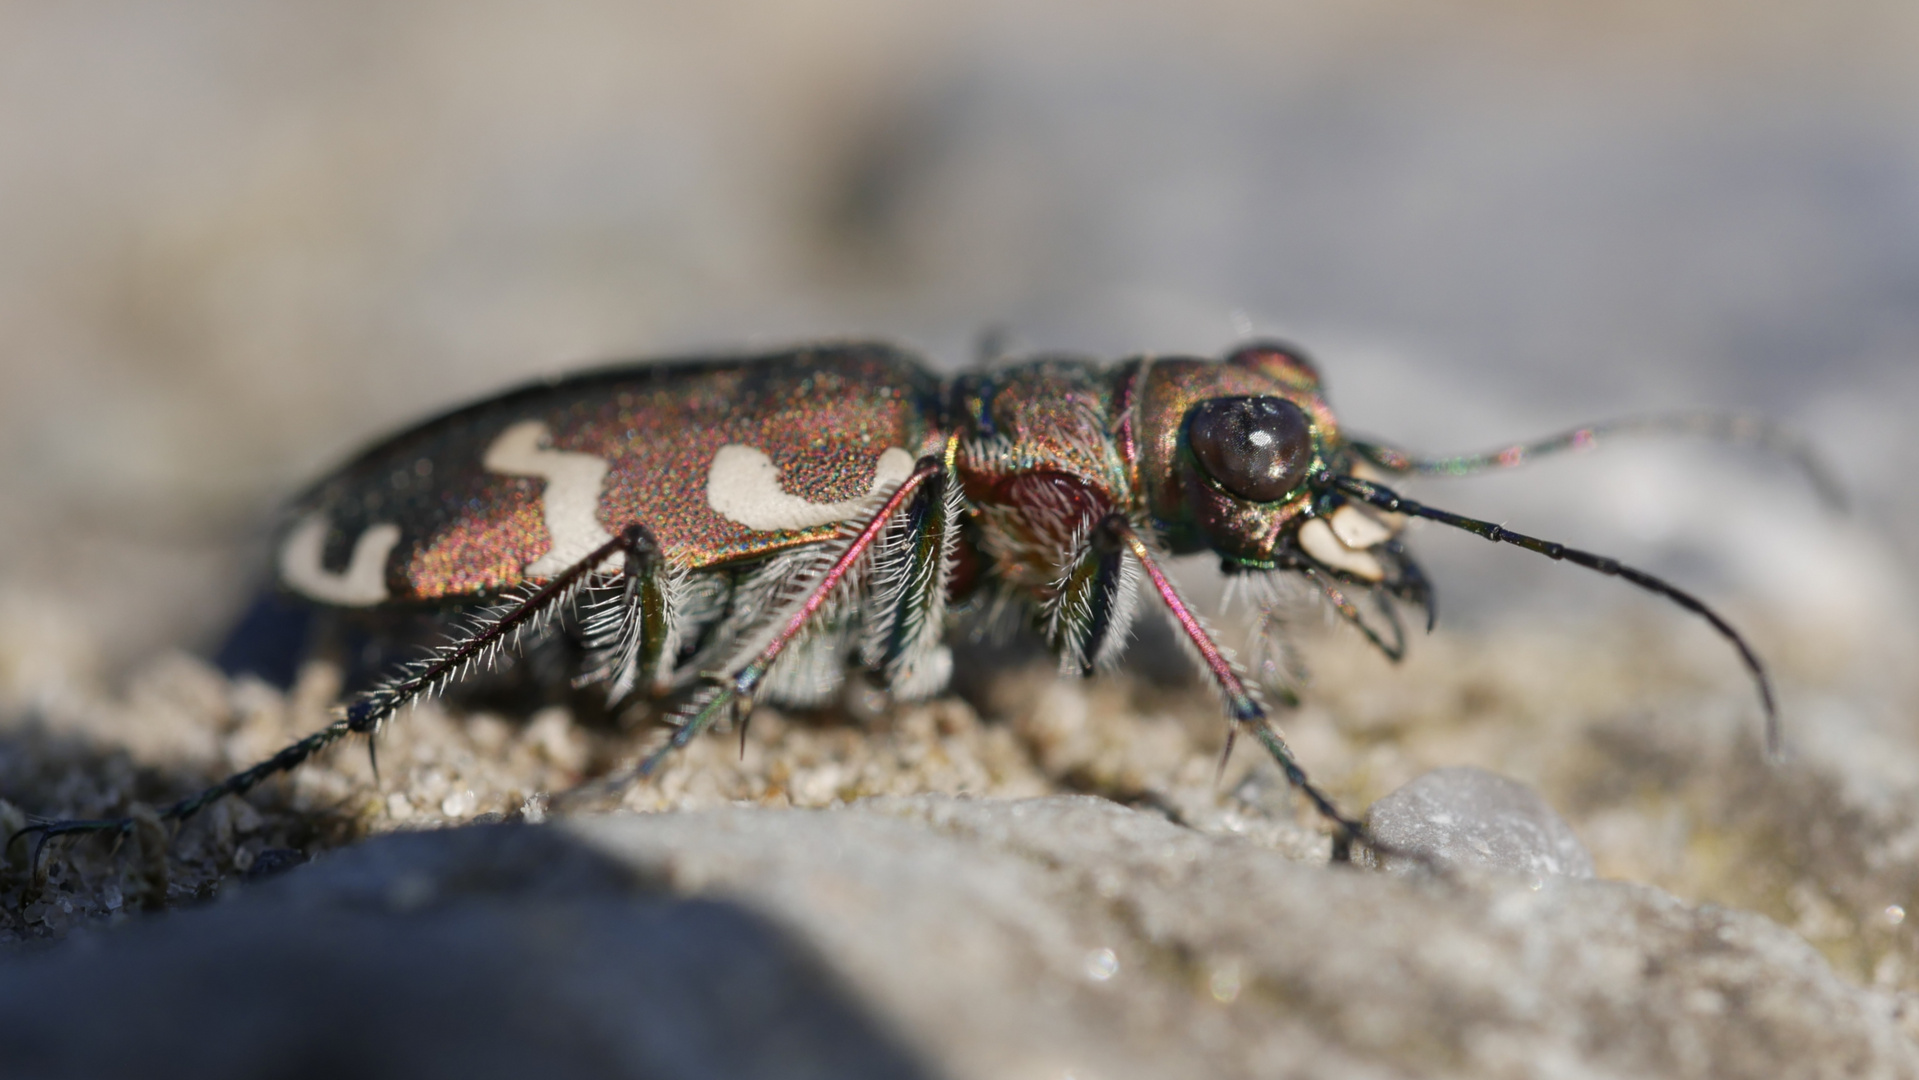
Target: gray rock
(1464, 816)
(928, 935)
(479, 953)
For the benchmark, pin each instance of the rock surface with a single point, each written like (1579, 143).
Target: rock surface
(884, 940)
(1463, 816)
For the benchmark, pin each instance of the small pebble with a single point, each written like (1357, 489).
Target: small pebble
(1470, 817)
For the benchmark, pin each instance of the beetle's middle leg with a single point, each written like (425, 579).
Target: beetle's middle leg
(903, 639)
(633, 636)
(730, 688)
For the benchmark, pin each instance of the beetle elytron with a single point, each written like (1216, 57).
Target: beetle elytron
(738, 529)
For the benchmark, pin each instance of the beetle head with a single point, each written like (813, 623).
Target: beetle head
(1231, 451)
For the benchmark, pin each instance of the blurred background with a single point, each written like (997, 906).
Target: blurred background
(239, 239)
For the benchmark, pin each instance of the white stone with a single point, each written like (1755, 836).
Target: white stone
(1470, 817)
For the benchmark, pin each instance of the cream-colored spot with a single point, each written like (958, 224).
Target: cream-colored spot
(1317, 540)
(361, 584)
(743, 485)
(1360, 530)
(571, 501)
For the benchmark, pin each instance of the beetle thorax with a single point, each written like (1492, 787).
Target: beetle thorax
(1041, 464)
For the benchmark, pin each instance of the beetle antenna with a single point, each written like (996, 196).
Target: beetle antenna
(1737, 429)
(1375, 495)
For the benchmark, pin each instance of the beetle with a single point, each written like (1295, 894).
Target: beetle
(734, 529)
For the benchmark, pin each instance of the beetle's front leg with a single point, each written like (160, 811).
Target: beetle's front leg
(1241, 703)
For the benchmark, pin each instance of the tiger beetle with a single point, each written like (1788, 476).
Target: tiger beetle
(730, 530)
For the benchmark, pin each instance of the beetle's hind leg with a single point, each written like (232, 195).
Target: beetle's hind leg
(480, 643)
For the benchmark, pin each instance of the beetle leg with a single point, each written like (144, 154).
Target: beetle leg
(1095, 599)
(634, 635)
(1275, 663)
(1272, 660)
(480, 643)
(1395, 648)
(812, 667)
(740, 684)
(913, 570)
(1241, 704)
(657, 594)
(1409, 582)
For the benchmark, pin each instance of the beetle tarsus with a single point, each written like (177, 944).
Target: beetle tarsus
(1225, 755)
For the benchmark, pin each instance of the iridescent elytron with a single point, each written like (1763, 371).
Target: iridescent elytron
(743, 529)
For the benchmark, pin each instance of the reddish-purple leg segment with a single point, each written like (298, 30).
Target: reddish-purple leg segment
(742, 684)
(1244, 707)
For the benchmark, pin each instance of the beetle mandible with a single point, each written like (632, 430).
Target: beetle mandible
(738, 529)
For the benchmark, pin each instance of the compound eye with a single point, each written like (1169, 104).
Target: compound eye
(1258, 448)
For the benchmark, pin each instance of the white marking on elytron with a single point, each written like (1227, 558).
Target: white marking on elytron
(743, 485)
(1316, 538)
(571, 501)
(361, 584)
